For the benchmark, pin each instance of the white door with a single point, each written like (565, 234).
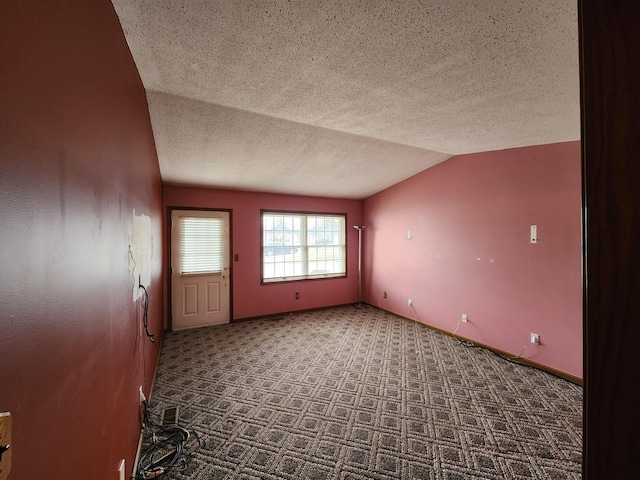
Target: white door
(200, 282)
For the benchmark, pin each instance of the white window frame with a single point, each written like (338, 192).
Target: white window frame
(302, 246)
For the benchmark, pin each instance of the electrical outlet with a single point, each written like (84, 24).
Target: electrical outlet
(142, 397)
(465, 318)
(410, 303)
(384, 294)
(5, 441)
(297, 295)
(535, 339)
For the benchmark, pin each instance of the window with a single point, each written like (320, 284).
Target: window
(202, 245)
(298, 246)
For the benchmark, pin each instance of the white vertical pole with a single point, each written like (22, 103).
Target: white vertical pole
(359, 228)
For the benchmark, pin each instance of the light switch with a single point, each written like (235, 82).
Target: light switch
(534, 233)
(5, 445)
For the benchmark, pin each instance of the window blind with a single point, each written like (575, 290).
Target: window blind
(202, 245)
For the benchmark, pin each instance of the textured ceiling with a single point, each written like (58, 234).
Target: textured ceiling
(345, 98)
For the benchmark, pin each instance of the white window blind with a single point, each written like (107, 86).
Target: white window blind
(302, 246)
(202, 245)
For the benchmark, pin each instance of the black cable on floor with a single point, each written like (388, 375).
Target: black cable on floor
(170, 449)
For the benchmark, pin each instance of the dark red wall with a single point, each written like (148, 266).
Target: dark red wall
(250, 297)
(76, 157)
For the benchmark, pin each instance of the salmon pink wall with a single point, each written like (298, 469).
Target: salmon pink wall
(76, 157)
(250, 298)
(470, 250)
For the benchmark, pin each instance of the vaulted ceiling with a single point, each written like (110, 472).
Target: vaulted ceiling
(344, 98)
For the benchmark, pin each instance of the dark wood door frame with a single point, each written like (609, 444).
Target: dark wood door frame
(610, 101)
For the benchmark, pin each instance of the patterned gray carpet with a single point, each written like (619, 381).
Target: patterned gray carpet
(350, 394)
